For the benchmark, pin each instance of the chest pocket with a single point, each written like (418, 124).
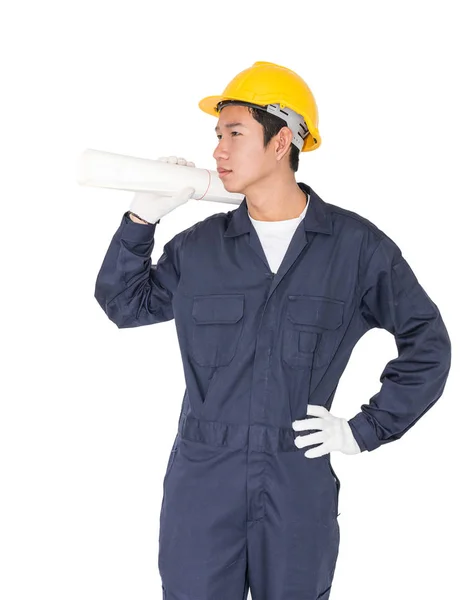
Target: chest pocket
(309, 334)
(216, 329)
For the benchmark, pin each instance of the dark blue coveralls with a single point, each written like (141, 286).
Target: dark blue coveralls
(242, 506)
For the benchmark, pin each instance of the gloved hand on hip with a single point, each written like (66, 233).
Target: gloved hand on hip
(151, 206)
(335, 433)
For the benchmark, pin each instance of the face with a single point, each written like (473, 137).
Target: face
(240, 150)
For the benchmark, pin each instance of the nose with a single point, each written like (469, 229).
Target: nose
(220, 153)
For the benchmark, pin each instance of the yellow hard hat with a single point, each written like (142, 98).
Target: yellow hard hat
(271, 87)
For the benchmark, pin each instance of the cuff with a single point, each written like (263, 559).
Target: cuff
(364, 433)
(137, 232)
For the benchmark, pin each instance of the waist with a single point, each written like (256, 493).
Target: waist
(256, 437)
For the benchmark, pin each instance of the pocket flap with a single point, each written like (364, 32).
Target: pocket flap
(316, 310)
(218, 308)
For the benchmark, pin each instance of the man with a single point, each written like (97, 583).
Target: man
(269, 301)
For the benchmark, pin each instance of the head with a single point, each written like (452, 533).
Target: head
(260, 147)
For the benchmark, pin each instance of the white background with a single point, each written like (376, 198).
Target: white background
(88, 411)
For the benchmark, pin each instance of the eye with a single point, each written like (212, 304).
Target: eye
(219, 136)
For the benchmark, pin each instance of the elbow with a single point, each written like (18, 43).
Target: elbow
(110, 309)
(442, 345)
(445, 346)
(437, 342)
(101, 299)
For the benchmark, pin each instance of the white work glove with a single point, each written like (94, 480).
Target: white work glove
(335, 434)
(151, 206)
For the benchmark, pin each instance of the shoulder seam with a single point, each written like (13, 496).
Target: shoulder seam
(352, 215)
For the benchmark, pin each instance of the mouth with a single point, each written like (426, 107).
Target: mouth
(223, 173)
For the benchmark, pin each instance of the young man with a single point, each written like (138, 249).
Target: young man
(269, 301)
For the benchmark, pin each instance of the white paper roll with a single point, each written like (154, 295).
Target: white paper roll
(121, 172)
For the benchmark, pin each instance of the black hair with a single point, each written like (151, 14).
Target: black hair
(271, 126)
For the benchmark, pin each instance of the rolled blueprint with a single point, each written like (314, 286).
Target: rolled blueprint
(121, 172)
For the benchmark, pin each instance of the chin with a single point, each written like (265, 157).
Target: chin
(231, 187)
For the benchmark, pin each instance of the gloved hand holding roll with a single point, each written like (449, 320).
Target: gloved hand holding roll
(151, 206)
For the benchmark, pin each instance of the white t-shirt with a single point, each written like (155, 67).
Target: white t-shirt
(275, 236)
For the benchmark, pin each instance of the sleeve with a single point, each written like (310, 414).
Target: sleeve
(131, 291)
(392, 298)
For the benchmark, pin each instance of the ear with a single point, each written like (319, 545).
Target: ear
(283, 139)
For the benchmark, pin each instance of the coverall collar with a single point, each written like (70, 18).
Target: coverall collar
(317, 216)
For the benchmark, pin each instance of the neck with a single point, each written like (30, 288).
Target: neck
(275, 201)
